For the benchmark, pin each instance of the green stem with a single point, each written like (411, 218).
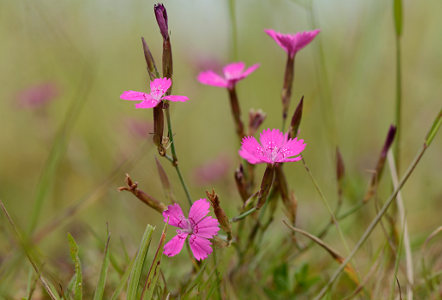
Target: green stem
(398, 103)
(232, 12)
(324, 200)
(175, 158)
(243, 215)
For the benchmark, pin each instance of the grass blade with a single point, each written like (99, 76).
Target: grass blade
(336, 256)
(123, 281)
(78, 282)
(99, 291)
(154, 271)
(50, 290)
(135, 274)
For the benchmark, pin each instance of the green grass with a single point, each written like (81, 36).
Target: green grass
(373, 64)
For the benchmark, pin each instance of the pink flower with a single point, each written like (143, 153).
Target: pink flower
(158, 88)
(233, 73)
(292, 43)
(38, 95)
(199, 227)
(275, 147)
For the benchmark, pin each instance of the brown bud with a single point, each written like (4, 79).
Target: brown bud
(161, 16)
(145, 198)
(256, 118)
(151, 67)
(220, 214)
(376, 177)
(266, 184)
(296, 119)
(241, 183)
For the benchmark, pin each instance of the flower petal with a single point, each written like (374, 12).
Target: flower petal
(249, 71)
(233, 71)
(134, 96)
(211, 78)
(159, 87)
(176, 216)
(174, 246)
(282, 40)
(271, 139)
(302, 39)
(290, 148)
(200, 247)
(199, 210)
(251, 150)
(147, 103)
(176, 98)
(206, 228)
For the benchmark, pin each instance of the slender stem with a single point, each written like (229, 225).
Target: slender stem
(406, 241)
(398, 116)
(232, 11)
(286, 93)
(324, 200)
(373, 224)
(175, 158)
(236, 113)
(243, 215)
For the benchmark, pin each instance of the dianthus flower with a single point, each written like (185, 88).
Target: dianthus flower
(275, 147)
(292, 43)
(158, 88)
(233, 73)
(199, 227)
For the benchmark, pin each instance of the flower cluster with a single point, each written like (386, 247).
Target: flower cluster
(274, 147)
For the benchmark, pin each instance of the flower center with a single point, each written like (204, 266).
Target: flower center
(187, 227)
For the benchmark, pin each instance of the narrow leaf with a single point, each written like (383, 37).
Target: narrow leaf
(78, 283)
(348, 268)
(99, 291)
(123, 281)
(135, 274)
(434, 128)
(48, 287)
(154, 271)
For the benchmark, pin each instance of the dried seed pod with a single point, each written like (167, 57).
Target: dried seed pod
(220, 214)
(256, 118)
(145, 198)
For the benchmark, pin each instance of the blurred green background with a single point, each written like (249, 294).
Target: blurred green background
(86, 139)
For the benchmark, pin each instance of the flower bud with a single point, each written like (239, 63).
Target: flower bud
(161, 16)
(266, 184)
(220, 214)
(241, 183)
(256, 118)
(380, 165)
(296, 119)
(151, 67)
